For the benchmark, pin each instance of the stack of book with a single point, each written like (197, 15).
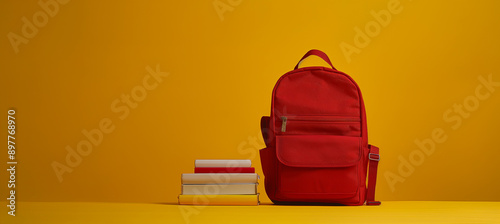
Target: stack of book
(220, 182)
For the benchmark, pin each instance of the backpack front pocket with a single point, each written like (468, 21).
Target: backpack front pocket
(331, 125)
(318, 166)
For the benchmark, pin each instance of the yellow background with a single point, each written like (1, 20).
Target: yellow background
(221, 74)
(398, 212)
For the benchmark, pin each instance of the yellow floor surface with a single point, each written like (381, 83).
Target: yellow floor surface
(388, 212)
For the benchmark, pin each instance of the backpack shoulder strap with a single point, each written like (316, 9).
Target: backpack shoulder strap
(373, 158)
(264, 127)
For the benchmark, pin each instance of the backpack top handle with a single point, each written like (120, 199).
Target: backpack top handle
(318, 53)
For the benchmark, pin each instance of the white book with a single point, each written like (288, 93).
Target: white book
(214, 189)
(222, 163)
(219, 178)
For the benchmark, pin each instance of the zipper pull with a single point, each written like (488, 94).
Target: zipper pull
(283, 124)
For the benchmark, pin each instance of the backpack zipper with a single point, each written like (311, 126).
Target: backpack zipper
(283, 123)
(284, 120)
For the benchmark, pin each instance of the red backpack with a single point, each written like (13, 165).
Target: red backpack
(317, 147)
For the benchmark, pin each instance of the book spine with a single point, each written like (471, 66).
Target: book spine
(217, 189)
(219, 178)
(224, 170)
(222, 163)
(219, 200)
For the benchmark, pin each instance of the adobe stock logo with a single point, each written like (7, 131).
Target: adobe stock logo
(30, 27)
(372, 29)
(454, 116)
(222, 7)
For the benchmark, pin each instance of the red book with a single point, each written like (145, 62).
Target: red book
(224, 170)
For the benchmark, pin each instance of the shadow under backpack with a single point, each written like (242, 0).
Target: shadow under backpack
(316, 139)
